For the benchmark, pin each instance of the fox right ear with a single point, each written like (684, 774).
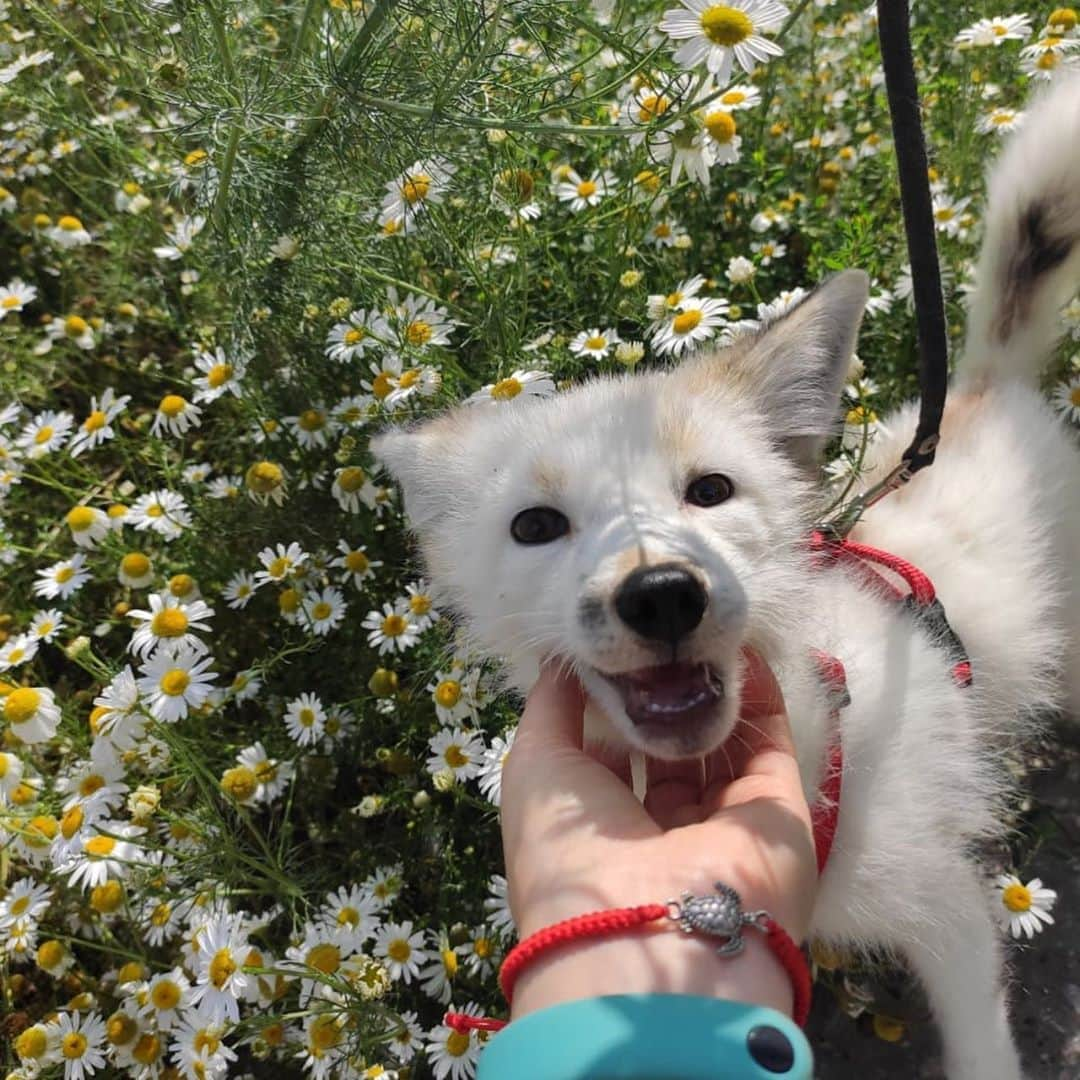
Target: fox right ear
(421, 459)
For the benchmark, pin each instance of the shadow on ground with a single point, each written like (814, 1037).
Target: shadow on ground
(1045, 995)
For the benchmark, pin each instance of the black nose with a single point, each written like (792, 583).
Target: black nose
(661, 602)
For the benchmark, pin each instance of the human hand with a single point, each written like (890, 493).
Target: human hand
(576, 840)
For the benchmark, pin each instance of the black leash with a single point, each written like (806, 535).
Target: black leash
(918, 211)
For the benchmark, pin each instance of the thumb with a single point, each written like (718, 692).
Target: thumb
(555, 710)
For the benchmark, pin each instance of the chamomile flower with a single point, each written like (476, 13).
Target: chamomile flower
(437, 978)
(722, 136)
(647, 102)
(305, 719)
(17, 651)
(81, 1043)
(68, 232)
(96, 784)
(63, 578)
(580, 194)
(767, 251)
(312, 427)
(456, 751)
(88, 525)
(455, 694)
(280, 563)
(324, 610)
(198, 1048)
(46, 432)
(167, 994)
(174, 682)
(594, 343)
(661, 306)
(175, 415)
(1025, 908)
(25, 899)
(421, 381)
(355, 564)
(221, 374)
(245, 685)
(489, 775)
(272, 776)
(349, 340)
(401, 950)
(994, 32)
(739, 97)
(352, 915)
(14, 296)
(182, 236)
(452, 1054)
(740, 270)
(1066, 399)
(239, 590)
(223, 947)
(163, 512)
(11, 776)
(719, 35)
(414, 190)
(97, 427)
(136, 571)
(999, 121)
(390, 630)
(696, 320)
(106, 851)
(497, 905)
(169, 625)
(529, 383)
(948, 214)
(406, 1036)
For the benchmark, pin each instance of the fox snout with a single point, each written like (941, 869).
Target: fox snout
(662, 603)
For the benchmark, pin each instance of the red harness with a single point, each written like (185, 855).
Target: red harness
(923, 603)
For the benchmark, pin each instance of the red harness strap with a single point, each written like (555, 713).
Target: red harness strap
(825, 813)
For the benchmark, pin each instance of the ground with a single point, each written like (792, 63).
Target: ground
(1045, 996)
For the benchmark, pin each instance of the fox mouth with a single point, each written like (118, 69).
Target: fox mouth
(669, 699)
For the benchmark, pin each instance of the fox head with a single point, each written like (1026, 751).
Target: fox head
(643, 528)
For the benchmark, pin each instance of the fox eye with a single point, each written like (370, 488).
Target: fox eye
(710, 490)
(539, 525)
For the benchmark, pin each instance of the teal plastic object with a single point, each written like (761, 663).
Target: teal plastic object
(649, 1037)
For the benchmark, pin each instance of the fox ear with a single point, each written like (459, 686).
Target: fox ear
(797, 365)
(422, 458)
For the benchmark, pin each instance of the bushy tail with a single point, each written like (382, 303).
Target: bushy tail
(1030, 262)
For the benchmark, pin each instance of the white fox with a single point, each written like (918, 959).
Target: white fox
(645, 528)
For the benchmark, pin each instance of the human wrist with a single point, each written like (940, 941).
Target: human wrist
(655, 959)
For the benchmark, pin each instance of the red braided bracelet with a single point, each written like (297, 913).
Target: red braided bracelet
(719, 916)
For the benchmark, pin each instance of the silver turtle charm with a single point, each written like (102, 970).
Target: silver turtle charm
(719, 916)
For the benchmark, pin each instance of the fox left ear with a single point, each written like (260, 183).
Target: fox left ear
(797, 366)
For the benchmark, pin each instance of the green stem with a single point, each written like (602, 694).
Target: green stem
(225, 177)
(302, 31)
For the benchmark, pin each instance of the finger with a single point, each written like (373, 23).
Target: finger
(555, 709)
(671, 786)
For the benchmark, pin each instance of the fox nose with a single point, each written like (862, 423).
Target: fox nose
(662, 602)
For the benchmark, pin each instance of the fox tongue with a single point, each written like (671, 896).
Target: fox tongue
(669, 692)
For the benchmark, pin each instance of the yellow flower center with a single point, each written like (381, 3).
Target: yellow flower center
(724, 25)
(180, 585)
(399, 950)
(20, 905)
(351, 337)
(64, 575)
(32, 1043)
(419, 604)
(482, 947)
(147, 1050)
(120, 1029)
(416, 187)
(288, 601)
(44, 435)
(100, 847)
(457, 1043)
(596, 341)
(195, 157)
(394, 625)
(322, 610)
(454, 756)
(155, 510)
(1047, 62)
(382, 385)
(20, 705)
(165, 995)
(662, 230)
(652, 106)
(175, 682)
(409, 378)
(90, 784)
(861, 414)
(222, 967)
(1016, 897)
(306, 717)
(95, 421)
(135, 564)
(264, 477)
(586, 188)
(348, 916)
(419, 332)
(324, 1033)
(240, 782)
(733, 97)
(448, 693)
(160, 915)
(1062, 19)
(219, 375)
(41, 831)
(352, 479)
(450, 962)
(648, 180)
(172, 405)
(279, 567)
(312, 420)
(69, 223)
(74, 1043)
(685, 321)
(107, 898)
(1074, 397)
(169, 622)
(205, 1042)
(505, 389)
(356, 562)
(71, 822)
(721, 126)
(325, 958)
(10, 302)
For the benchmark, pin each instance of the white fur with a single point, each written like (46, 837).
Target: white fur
(995, 522)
